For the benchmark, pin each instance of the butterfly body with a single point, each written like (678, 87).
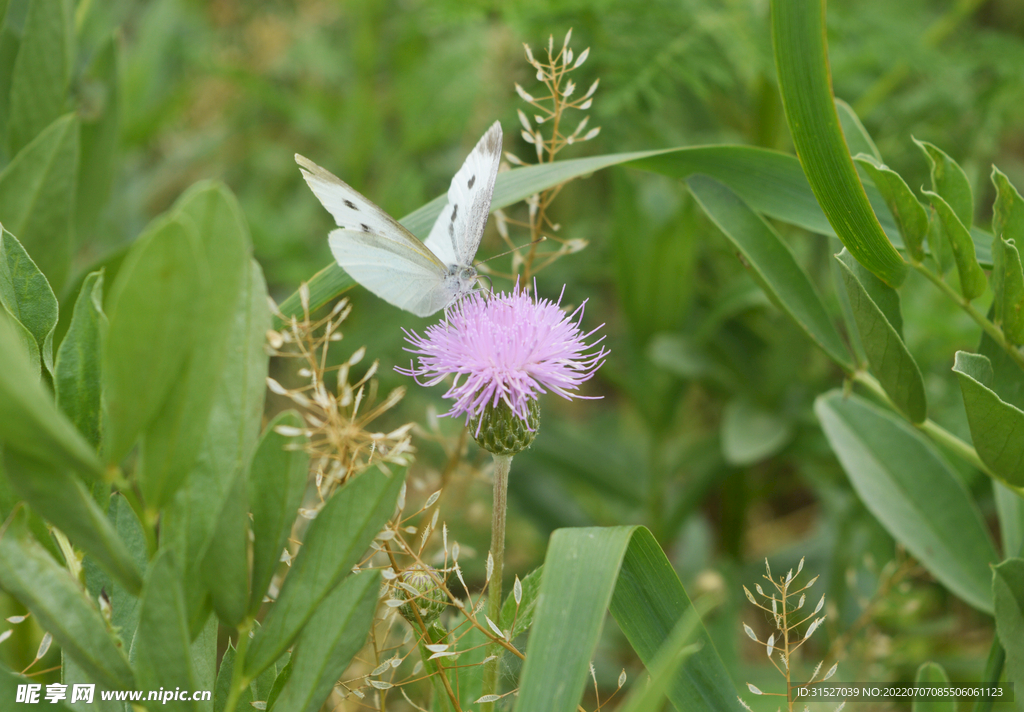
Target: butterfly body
(383, 256)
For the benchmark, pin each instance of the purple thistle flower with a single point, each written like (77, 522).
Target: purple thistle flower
(505, 348)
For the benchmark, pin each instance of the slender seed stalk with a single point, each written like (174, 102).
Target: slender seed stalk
(502, 465)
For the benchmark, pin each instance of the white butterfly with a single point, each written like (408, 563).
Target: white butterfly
(380, 254)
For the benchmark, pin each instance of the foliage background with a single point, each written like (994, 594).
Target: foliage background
(390, 96)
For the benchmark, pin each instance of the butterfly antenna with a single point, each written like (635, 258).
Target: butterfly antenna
(509, 252)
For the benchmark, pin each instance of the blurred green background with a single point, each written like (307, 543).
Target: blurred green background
(705, 431)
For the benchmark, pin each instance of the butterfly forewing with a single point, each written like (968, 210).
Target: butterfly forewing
(456, 235)
(352, 211)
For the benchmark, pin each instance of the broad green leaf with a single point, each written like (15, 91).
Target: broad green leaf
(996, 425)
(42, 71)
(277, 481)
(65, 502)
(1008, 210)
(772, 263)
(204, 661)
(675, 651)
(213, 508)
(518, 617)
(588, 570)
(1010, 509)
(26, 295)
(801, 61)
(9, 682)
(857, 137)
(223, 689)
(57, 603)
(162, 655)
(932, 674)
(152, 325)
(905, 482)
(77, 379)
(30, 422)
(71, 674)
(125, 603)
(910, 216)
(1008, 592)
(972, 277)
(168, 446)
(335, 633)
(335, 540)
(37, 190)
(886, 353)
(751, 433)
(950, 182)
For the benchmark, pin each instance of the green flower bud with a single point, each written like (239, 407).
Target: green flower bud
(429, 598)
(501, 432)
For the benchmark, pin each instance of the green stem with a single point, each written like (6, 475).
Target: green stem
(502, 465)
(987, 326)
(933, 430)
(238, 681)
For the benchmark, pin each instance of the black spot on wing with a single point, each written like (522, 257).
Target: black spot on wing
(365, 227)
(349, 204)
(455, 211)
(472, 180)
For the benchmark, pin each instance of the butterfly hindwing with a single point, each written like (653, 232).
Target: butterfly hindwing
(455, 236)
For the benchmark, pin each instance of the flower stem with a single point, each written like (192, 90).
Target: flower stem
(502, 465)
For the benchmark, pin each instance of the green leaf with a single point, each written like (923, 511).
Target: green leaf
(801, 61)
(676, 650)
(123, 601)
(896, 369)
(99, 89)
(37, 190)
(996, 425)
(904, 481)
(588, 570)
(213, 509)
(518, 617)
(772, 264)
(26, 295)
(42, 71)
(1008, 592)
(972, 277)
(1007, 274)
(204, 661)
(335, 540)
(168, 445)
(66, 503)
(932, 674)
(30, 423)
(57, 603)
(911, 217)
(950, 182)
(335, 633)
(77, 379)
(751, 433)
(277, 481)
(12, 31)
(152, 315)
(857, 137)
(223, 689)
(162, 655)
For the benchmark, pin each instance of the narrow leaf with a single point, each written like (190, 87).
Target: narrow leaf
(57, 603)
(772, 263)
(277, 480)
(335, 541)
(972, 277)
(910, 216)
(26, 295)
(932, 674)
(801, 61)
(995, 424)
(77, 378)
(1008, 592)
(888, 355)
(905, 482)
(950, 182)
(517, 616)
(327, 644)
